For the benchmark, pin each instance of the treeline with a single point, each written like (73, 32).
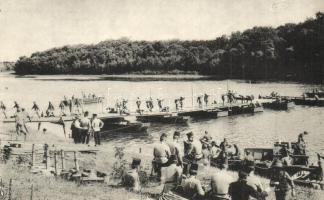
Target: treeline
(289, 52)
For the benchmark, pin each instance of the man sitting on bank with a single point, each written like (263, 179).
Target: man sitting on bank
(192, 188)
(220, 182)
(171, 174)
(131, 178)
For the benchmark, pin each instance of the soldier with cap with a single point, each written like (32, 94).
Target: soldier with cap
(175, 148)
(130, 179)
(240, 190)
(192, 187)
(36, 109)
(161, 154)
(281, 181)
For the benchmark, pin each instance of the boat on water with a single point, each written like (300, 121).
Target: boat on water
(312, 94)
(121, 125)
(299, 169)
(199, 113)
(244, 109)
(278, 104)
(308, 101)
(170, 118)
(92, 100)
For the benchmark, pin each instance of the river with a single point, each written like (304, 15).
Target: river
(258, 130)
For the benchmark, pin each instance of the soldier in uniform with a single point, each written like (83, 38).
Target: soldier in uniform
(160, 104)
(281, 181)
(199, 101)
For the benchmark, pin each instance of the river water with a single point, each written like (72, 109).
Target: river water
(258, 130)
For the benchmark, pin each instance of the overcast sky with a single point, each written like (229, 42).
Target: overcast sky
(27, 26)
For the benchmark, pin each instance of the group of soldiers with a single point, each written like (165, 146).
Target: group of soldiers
(82, 128)
(178, 171)
(49, 112)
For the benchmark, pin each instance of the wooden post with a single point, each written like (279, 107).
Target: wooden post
(9, 193)
(55, 163)
(47, 158)
(33, 155)
(32, 192)
(76, 164)
(62, 159)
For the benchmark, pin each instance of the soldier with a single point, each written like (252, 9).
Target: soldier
(20, 123)
(224, 147)
(138, 103)
(171, 174)
(96, 125)
(62, 108)
(25, 116)
(3, 109)
(50, 110)
(85, 126)
(16, 106)
(176, 101)
(181, 102)
(75, 129)
(199, 101)
(192, 149)
(175, 148)
(130, 179)
(220, 182)
(192, 187)
(160, 104)
(36, 109)
(240, 190)
(206, 99)
(281, 181)
(161, 154)
(206, 139)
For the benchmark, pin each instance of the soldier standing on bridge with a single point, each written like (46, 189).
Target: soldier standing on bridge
(36, 109)
(138, 103)
(160, 104)
(181, 102)
(206, 99)
(199, 101)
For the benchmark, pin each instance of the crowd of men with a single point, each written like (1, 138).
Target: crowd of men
(83, 128)
(177, 169)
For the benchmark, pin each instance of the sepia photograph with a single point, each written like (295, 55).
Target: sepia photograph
(162, 100)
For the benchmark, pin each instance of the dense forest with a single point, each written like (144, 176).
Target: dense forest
(288, 52)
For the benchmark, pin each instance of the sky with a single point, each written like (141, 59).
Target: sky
(37, 25)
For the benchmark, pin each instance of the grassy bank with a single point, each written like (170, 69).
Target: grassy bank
(46, 186)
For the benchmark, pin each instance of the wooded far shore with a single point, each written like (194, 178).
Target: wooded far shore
(292, 52)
